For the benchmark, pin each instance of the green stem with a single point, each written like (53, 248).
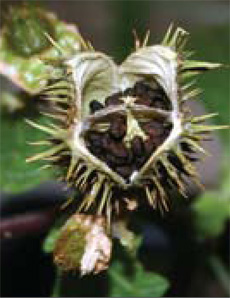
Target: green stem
(57, 284)
(220, 272)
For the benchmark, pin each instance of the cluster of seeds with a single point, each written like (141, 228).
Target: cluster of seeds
(145, 94)
(109, 145)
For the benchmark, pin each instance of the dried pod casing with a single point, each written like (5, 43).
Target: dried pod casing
(124, 128)
(83, 244)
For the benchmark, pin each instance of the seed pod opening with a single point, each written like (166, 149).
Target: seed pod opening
(124, 127)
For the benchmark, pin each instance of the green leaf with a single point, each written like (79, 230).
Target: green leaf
(140, 284)
(211, 211)
(16, 174)
(26, 62)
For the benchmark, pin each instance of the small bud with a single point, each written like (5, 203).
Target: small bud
(83, 244)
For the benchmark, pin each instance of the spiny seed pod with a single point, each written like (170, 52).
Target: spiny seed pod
(122, 131)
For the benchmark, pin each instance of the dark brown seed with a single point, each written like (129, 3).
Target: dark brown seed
(96, 150)
(124, 171)
(160, 101)
(117, 128)
(159, 104)
(129, 92)
(106, 140)
(153, 128)
(140, 161)
(151, 93)
(150, 146)
(95, 143)
(118, 149)
(143, 101)
(113, 99)
(95, 139)
(137, 146)
(114, 161)
(158, 141)
(140, 88)
(95, 106)
(130, 157)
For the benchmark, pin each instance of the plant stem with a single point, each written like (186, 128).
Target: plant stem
(220, 272)
(57, 284)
